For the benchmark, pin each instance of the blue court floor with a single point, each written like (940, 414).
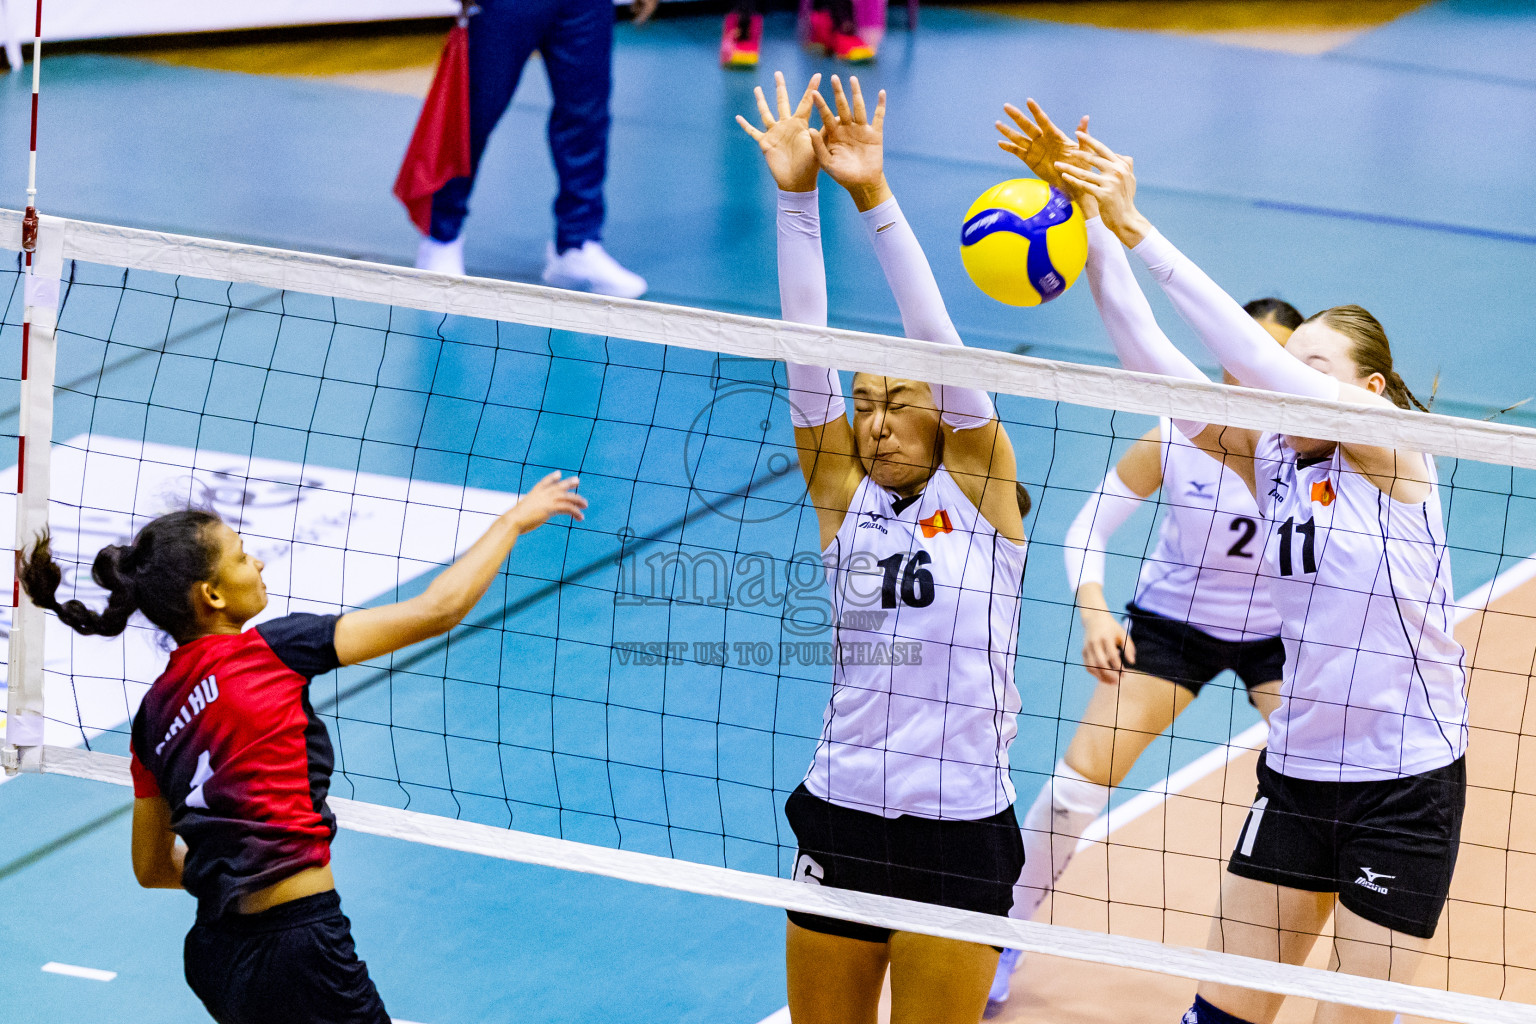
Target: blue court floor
(1394, 171)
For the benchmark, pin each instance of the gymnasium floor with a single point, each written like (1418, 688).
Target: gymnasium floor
(1285, 154)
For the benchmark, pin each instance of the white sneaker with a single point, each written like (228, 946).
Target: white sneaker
(591, 268)
(443, 257)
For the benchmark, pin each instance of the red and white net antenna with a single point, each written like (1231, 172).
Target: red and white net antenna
(42, 244)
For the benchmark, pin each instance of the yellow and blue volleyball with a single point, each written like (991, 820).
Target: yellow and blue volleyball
(1023, 242)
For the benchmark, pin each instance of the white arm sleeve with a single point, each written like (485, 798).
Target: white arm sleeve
(1139, 343)
(923, 314)
(1244, 348)
(815, 393)
(1106, 511)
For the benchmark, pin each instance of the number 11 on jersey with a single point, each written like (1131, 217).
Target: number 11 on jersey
(1308, 533)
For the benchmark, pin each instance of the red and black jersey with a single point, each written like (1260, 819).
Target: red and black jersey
(228, 736)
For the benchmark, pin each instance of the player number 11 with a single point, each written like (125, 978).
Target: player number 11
(1308, 532)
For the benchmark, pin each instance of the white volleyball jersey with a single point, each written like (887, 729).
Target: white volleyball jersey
(1205, 568)
(923, 703)
(1375, 682)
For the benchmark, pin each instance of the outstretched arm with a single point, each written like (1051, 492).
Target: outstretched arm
(1138, 473)
(1233, 337)
(1244, 348)
(1139, 343)
(850, 147)
(823, 438)
(373, 632)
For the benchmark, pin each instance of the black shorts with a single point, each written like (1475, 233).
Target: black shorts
(1387, 848)
(1182, 654)
(969, 865)
(293, 964)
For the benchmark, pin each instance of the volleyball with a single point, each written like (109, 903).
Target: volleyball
(1023, 242)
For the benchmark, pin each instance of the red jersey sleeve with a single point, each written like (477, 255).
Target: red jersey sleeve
(144, 784)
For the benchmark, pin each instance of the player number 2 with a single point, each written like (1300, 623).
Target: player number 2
(1239, 549)
(1308, 532)
(916, 582)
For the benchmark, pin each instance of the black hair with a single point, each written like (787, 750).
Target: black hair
(1025, 504)
(154, 574)
(1278, 310)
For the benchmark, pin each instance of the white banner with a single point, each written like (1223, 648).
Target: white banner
(104, 19)
(330, 538)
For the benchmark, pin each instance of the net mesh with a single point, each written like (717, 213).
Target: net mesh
(653, 679)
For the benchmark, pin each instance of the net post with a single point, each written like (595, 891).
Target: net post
(22, 750)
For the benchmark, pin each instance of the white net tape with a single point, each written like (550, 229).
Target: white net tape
(882, 911)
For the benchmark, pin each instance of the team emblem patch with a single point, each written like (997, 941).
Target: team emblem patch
(935, 524)
(1322, 493)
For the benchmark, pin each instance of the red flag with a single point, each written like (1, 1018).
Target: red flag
(936, 524)
(439, 148)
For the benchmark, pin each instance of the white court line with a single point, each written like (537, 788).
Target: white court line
(70, 970)
(1215, 760)
(779, 1016)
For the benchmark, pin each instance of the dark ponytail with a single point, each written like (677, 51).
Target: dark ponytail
(154, 575)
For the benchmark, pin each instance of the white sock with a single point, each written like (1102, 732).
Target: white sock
(1066, 806)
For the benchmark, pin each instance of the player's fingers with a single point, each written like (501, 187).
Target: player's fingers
(762, 107)
(879, 120)
(1089, 160)
(1042, 119)
(1028, 127)
(1009, 147)
(841, 100)
(803, 111)
(1093, 187)
(822, 110)
(746, 126)
(860, 112)
(1086, 139)
(781, 95)
(1012, 134)
(1128, 651)
(819, 147)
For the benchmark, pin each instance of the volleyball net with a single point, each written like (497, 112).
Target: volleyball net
(638, 693)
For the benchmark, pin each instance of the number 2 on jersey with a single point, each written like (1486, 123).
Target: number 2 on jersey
(1308, 532)
(916, 582)
(1239, 548)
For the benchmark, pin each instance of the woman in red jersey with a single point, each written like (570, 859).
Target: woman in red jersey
(229, 755)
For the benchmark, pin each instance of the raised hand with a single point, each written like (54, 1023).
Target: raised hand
(786, 140)
(551, 496)
(1096, 170)
(850, 146)
(1037, 141)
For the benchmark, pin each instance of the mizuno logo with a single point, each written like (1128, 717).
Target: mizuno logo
(1200, 490)
(1368, 878)
(875, 522)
